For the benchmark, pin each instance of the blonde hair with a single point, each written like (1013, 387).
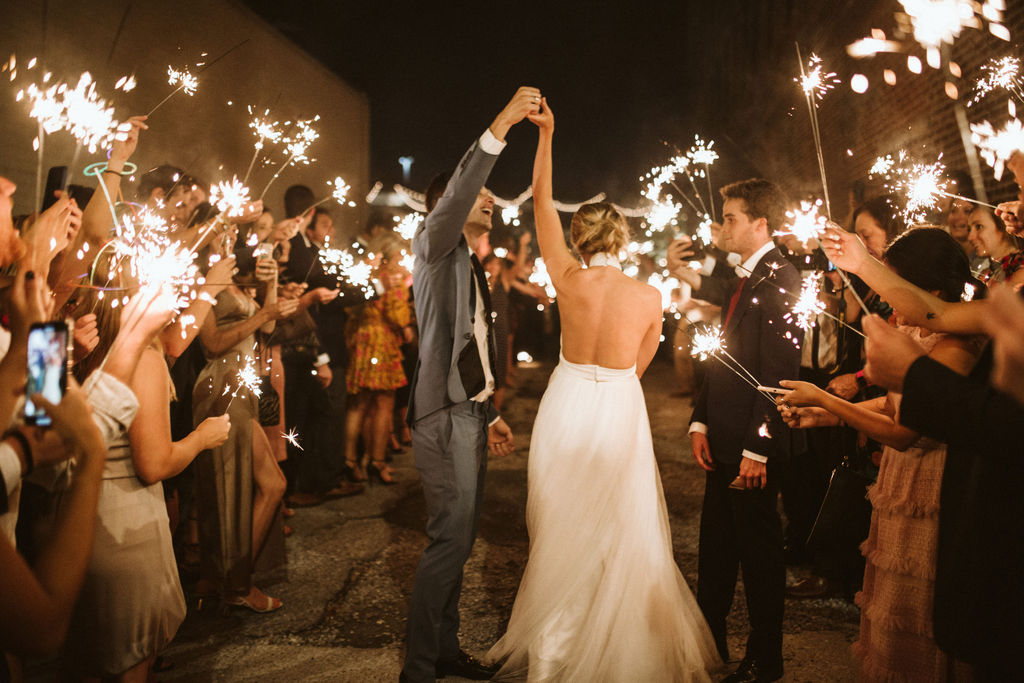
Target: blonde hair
(598, 228)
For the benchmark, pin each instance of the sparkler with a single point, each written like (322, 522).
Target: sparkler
(297, 146)
(408, 225)
(710, 342)
(265, 131)
(814, 83)
(808, 305)
(996, 147)
(231, 198)
(999, 74)
(338, 194)
(184, 79)
(248, 378)
(923, 184)
(701, 153)
(292, 437)
(805, 223)
(938, 22)
(344, 266)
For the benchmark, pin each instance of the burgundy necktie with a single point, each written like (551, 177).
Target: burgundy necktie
(734, 300)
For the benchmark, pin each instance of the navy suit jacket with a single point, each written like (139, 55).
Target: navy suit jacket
(758, 336)
(441, 287)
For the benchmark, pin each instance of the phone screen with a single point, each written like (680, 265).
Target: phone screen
(47, 367)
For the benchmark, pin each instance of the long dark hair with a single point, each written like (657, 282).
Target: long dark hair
(931, 259)
(883, 210)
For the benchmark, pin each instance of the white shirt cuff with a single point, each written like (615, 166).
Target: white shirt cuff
(322, 359)
(10, 466)
(754, 456)
(494, 421)
(709, 265)
(491, 144)
(698, 427)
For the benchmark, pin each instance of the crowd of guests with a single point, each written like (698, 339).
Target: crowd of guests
(161, 463)
(898, 489)
(187, 437)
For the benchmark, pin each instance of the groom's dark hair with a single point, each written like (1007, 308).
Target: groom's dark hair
(436, 190)
(764, 200)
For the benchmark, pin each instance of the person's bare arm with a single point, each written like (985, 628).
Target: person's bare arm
(919, 307)
(36, 602)
(558, 259)
(154, 455)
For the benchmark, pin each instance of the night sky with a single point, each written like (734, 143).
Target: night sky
(623, 78)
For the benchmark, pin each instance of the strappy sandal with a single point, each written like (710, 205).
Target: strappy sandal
(261, 605)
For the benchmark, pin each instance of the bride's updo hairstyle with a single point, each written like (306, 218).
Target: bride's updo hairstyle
(598, 228)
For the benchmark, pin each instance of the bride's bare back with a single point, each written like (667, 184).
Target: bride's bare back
(608, 318)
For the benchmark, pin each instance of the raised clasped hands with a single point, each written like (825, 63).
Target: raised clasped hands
(543, 118)
(526, 101)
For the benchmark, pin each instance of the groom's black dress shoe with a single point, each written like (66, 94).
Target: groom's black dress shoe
(752, 671)
(467, 666)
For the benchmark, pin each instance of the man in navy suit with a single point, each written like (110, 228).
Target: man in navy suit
(450, 411)
(736, 434)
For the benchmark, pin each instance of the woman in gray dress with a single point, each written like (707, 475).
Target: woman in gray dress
(238, 484)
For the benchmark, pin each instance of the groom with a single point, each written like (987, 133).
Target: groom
(737, 435)
(450, 411)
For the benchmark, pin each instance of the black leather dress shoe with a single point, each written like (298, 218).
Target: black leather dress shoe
(467, 666)
(752, 671)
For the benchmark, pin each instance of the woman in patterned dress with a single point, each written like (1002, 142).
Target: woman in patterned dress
(374, 334)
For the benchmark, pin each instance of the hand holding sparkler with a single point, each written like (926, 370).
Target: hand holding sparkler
(1011, 213)
(806, 417)
(282, 308)
(844, 249)
(125, 142)
(213, 431)
(801, 393)
(219, 276)
(48, 234)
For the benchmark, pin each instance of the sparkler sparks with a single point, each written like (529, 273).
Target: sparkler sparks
(408, 225)
(345, 266)
(249, 378)
(701, 152)
(707, 342)
(297, 144)
(808, 305)
(340, 191)
(814, 81)
(183, 79)
(805, 223)
(922, 185)
(996, 147)
(999, 74)
(79, 111)
(230, 197)
(937, 22)
(292, 437)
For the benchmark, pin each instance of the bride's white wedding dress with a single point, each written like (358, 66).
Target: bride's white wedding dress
(601, 598)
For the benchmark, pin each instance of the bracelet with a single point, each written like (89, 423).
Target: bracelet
(26, 448)
(100, 167)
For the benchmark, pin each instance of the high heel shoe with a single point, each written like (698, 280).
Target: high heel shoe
(354, 472)
(380, 474)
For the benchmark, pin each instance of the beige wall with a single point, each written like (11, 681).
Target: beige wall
(202, 130)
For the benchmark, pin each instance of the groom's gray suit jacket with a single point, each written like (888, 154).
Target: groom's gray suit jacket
(442, 285)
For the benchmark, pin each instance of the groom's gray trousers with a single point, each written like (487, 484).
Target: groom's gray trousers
(450, 446)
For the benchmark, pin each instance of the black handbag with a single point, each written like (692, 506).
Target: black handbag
(844, 518)
(269, 403)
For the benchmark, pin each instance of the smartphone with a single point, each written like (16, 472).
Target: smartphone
(56, 179)
(47, 368)
(263, 250)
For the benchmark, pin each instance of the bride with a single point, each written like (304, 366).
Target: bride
(601, 598)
